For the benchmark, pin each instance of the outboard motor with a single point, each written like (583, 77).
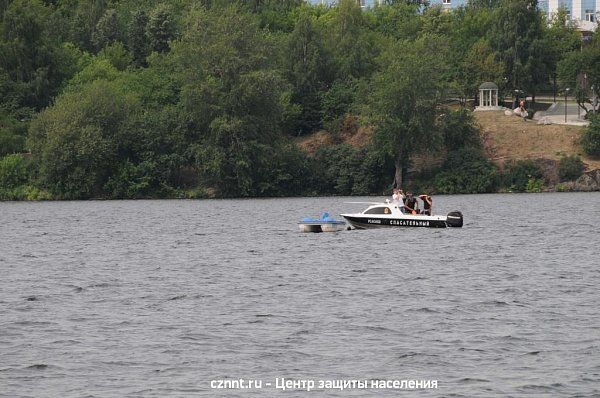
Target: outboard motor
(454, 219)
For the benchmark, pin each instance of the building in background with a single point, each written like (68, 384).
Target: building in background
(363, 3)
(585, 13)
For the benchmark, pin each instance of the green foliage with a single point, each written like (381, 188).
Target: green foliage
(233, 101)
(590, 141)
(29, 75)
(100, 68)
(78, 141)
(570, 168)
(479, 65)
(86, 17)
(15, 180)
(402, 112)
(576, 64)
(137, 39)
(459, 130)
(336, 101)
(517, 38)
(467, 170)
(277, 15)
(561, 37)
(140, 99)
(534, 185)
(562, 187)
(107, 30)
(132, 181)
(517, 174)
(308, 70)
(13, 171)
(353, 48)
(160, 28)
(344, 170)
(12, 135)
(117, 55)
(399, 20)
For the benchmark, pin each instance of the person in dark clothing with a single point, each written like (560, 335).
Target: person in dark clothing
(427, 204)
(411, 206)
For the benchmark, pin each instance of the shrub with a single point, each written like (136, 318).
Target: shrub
(345, 170)
(467, 170)
(460, 130)
(337, 100)
(24, 192)
(132, 181)
(534, 185)
(562, 187)
(590, 141)
(13, 171)
(570, 168)
(518, 173)
(12, 134)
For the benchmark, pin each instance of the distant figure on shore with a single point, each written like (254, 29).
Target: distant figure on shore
(521, 111)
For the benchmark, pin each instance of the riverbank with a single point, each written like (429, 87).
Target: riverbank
(511, 155)
(512, 138)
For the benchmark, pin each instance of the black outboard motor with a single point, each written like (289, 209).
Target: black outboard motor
(454, 219)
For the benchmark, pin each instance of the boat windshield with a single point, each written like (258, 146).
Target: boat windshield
(379, 210)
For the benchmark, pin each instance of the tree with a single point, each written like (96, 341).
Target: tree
(27, 60)
(470, 55)
(581, 70)
(12, 135)
(467, 170)
(160, 28)
(560, 38)
(349, 41)
(87, 15)
(231, 99)
(79, 141)
(307, 70)
(399, 20)
(590, 141)
(459, 130)
(107, 30)
(479, 65)
(517, 38)
(118, 56)
(137, 38)
(406, 92)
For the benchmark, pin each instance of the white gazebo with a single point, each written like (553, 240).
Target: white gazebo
(488, 96)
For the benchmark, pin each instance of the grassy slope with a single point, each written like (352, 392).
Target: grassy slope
(506, 137)
(509, 137)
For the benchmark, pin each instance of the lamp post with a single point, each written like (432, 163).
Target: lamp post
(566, 93)
(554, 77)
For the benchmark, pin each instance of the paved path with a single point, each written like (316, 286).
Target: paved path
(556, 114)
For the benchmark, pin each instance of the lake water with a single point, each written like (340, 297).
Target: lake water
(158, 298)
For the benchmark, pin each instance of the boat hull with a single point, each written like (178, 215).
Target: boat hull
(322, 226)
(367, 222)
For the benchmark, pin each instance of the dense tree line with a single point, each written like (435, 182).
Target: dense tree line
(115, 99)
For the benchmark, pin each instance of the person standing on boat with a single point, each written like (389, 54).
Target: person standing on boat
(427, 204)
(411, 205)
(402, 196)
(396, 198)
